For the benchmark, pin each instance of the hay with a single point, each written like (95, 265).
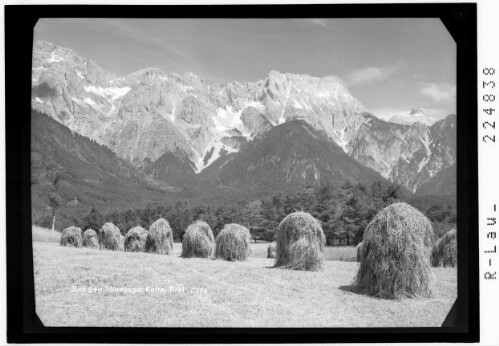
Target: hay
(300, 243)
(160, 238)
(233, 243)
(71, 236)
(198, 241)
(271, 250)
(135, 239)
(110, 237)
(90, 239)
(444, 252)
(395, 261)
(360, 250)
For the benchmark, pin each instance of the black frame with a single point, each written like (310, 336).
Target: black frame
(462, 323)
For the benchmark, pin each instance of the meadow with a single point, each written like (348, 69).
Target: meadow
(85, 287)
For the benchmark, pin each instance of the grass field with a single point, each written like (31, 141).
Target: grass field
(45, 235)
(214, 293)
(336, 253)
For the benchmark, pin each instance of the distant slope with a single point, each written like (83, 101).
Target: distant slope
(89, 174)
(444, 183)
(292, 154)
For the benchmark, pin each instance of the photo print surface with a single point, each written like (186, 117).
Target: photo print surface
(244, 172)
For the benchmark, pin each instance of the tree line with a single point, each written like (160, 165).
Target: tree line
(344, 212)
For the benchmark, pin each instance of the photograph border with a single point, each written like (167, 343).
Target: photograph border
(462, 322)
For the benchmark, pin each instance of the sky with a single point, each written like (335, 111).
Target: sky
(390, 65)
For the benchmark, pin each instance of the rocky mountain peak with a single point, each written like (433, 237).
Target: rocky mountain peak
(148, 113)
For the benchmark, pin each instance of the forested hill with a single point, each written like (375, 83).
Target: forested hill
(76, 173)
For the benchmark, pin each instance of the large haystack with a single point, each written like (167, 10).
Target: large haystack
(90, 239)
(71, 236)
(198, 241)
(360, 250)
(300, 243)
(160, 238)
(110, 237)
(444, 251)
(271, 250)
(135, 239)
(395, 261)
(233, 243)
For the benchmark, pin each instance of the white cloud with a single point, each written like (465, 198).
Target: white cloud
(322, 22)
(369, 74)
(440, 92)
(317, 21)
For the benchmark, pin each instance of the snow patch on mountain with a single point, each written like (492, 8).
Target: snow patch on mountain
(227, 119)
(55, 58)
(110, 93)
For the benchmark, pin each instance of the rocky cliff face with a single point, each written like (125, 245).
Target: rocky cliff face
(149, 113)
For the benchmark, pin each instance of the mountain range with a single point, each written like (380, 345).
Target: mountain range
(183, 131)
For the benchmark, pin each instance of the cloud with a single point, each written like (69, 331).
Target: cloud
(322, 22)
(157, 41)
(369, 74)
(440, 92)
(317, 21)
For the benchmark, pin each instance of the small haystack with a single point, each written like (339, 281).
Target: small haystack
(71, 236)
(90, 239)
(198, 241)
(160, 238)
(110, 237)
(135, 239)
(233, 243)
(271, 250)
(360, 251)
(444, 251)
(300, 243)
(395, 261)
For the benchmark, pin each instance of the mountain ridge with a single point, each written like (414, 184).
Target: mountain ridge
(149, 113)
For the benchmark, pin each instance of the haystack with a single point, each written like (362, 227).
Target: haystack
(444, 251)
(198, 241)
(110, 237)
(160, 238)
(90, 239)
(360, 250)
(233, 243)
(135, 239)
(300, 243)
(271, 250)
(395, 261)
(71, 236)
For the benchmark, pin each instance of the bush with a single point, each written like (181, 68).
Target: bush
(198, 241)
(71, 236)
(90, 239)
(395, 261)
(444, 251)
(233, 243)
(135, 239)
(300, 243)
(110, 237)
(160, 238)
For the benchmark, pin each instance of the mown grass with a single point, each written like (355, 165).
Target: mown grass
(45, 235)
(332, 253)
(215, 293)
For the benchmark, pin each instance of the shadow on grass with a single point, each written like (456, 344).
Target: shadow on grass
(352, 288)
